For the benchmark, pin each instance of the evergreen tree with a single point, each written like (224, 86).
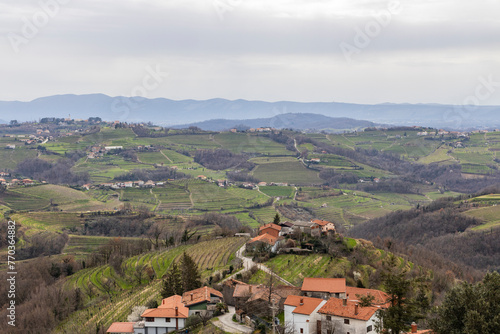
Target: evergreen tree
(172, 284)
(277, 219)
(408, 298)
(470, 309)
(191, 278)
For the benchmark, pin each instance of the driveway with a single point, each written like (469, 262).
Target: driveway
(227, 324)
(249, 263)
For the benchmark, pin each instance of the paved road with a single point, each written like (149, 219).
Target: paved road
(249, 263)
(227, 324)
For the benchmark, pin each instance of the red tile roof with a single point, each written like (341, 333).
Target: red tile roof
(330, 285)
(199, 295)
(308, 304)
(336, 307)
(167, 309)
(246, 290)
(121, 327)
(263, 294)
(267, 238)
(321, 222)
(380, 296)
(270, 225)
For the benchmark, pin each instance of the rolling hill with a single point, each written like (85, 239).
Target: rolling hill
(170, 112)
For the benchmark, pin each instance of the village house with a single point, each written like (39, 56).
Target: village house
(272, 229)
(324, 288)
(202, 300)
(268, 238)
(344, 316)
(263, 242)
(255, 299)
(322, 226)
(303, 226)
(171, 315)
(301, 314)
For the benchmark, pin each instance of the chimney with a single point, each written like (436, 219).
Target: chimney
(414, 327)
(344, 302)
(176, 311)
(191, 297)
(301, 301)
(250, 288)
(356, 309)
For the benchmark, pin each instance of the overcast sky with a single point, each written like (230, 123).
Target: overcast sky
(361, 51)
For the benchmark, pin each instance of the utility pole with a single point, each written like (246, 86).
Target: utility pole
(274, 308)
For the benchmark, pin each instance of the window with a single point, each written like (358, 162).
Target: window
(328, 318)
(150, 319)
(346, 321)
(369, 329)
(302, 330)
(167, 319)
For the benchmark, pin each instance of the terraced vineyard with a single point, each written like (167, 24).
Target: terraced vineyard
(210, 256)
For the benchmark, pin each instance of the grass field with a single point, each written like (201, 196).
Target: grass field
(289, 171)
(250, 143)
(275, 191)
(490, 216)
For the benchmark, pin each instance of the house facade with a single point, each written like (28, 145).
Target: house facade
(202, 300)
(324, 288)
(171, 315)
(343, 316)
(301, 314)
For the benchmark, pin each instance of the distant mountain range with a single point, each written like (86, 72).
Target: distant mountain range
(170, 112)
(291, 121)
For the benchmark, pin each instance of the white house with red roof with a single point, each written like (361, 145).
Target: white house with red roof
(324, 288)
(344, 316)
(323, 226)
(301, 314)
(171, 315)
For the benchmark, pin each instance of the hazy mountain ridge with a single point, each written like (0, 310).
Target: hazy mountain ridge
(304, 121)
(170, 112)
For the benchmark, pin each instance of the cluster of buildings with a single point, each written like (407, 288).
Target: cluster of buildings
(14, 182)
(100, 151)
(126, 184)
(40, 138)
(172, 313)
(271, 235)
(319, 306)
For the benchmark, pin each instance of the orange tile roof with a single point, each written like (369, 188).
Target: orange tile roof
(308, 304)
(199, 295)
(267, 238)
(270, 225)
(246, 290)
(380, 296)
(121, 327)
(336, 307)
(263, 294)
(321, 222)
(232, 282)
(330, 285)
(167, 309)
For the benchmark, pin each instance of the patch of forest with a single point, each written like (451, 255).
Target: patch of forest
(440, 227)
(222, 159)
